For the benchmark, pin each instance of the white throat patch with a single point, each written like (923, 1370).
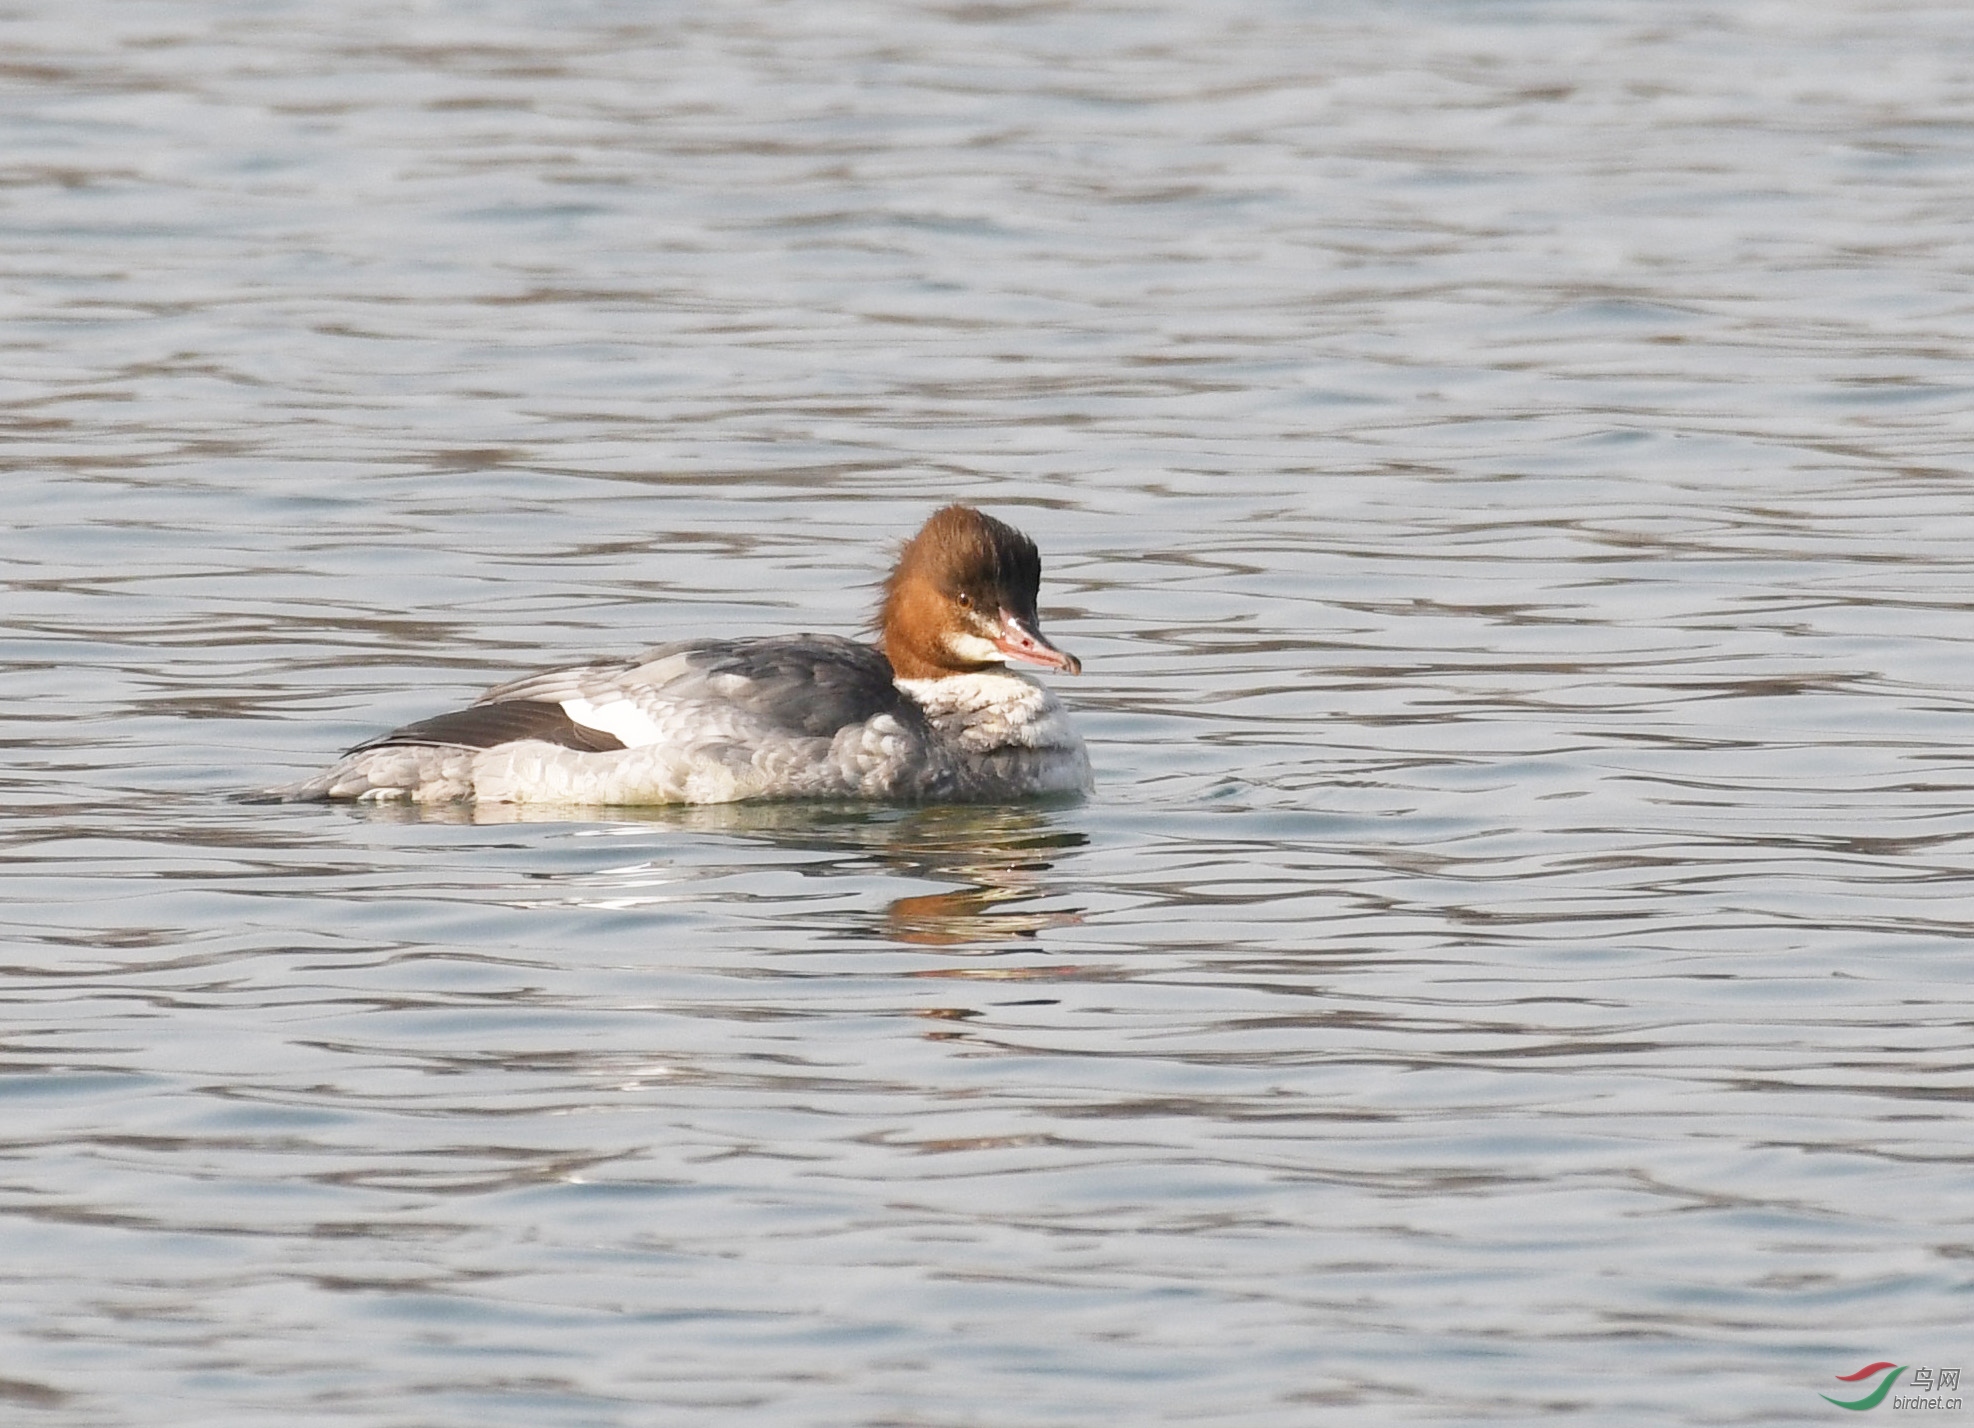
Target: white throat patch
(973, 649)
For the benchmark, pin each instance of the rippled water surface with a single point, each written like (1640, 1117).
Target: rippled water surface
(1506, 469)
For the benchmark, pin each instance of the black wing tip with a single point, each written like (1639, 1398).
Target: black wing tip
(507, 721)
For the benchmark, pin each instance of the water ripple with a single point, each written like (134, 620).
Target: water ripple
(1504, 468)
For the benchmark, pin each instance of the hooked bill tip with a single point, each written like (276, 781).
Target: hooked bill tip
(1022, 640)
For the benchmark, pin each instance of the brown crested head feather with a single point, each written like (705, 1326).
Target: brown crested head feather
(962, 550)
(959, 554)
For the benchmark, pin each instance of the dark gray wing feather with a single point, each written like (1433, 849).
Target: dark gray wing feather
(799, 685)
(805, 684)
(484, 725)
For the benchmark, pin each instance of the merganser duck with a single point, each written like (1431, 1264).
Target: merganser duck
(930, 713)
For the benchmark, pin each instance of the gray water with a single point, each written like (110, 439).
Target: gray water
(1505, 467)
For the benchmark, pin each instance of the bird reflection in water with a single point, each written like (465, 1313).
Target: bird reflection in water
(995, 855)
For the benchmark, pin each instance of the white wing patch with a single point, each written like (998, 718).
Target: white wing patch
(620, 718)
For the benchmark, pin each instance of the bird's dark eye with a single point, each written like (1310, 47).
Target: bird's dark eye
(966, 600)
